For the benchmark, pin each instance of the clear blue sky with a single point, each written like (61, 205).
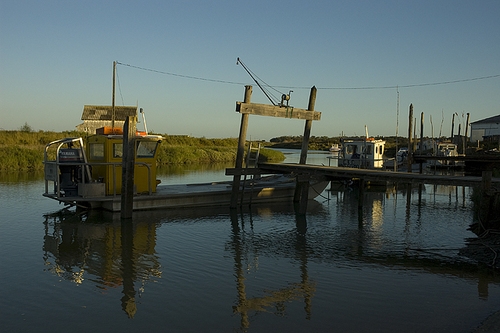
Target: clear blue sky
(56, 56)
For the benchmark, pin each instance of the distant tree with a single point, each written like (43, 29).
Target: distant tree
(26, 128)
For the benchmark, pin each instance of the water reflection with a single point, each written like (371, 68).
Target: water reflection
(96, 245)
(271, 299)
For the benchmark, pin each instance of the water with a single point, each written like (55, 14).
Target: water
(394, 268)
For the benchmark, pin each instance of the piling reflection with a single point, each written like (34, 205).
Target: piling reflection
(122, 255)
(274, 301)
(116, 254)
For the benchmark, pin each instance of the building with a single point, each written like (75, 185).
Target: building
(97, 116)
(485, 129)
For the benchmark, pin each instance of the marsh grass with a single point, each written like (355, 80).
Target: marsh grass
(23, 150)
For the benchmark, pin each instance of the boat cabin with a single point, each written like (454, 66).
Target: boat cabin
(104, 152)
(94, 169)
(446, 149)
(365, 153)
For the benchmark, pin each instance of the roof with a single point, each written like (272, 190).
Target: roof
(494, 119)
(105, 112)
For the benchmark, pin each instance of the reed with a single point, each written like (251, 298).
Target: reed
(23, 150)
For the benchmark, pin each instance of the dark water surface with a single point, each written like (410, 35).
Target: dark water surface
(394, 268)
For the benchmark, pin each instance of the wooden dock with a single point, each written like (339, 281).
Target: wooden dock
(341, 173)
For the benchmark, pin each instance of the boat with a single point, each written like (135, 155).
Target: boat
(335, 148)
(399, 160)
(446, 149)
(89, 175)
(364, 153)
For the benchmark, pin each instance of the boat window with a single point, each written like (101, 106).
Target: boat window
(350, 149)
(146, 148)
(368, 150)
(117, 150)
(96, 151)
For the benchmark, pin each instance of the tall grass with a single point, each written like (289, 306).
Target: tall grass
(23, 150)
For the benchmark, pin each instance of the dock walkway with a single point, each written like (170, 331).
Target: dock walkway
(340, 173)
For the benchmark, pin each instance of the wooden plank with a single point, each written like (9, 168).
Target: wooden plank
(390, 176)
(277, 111)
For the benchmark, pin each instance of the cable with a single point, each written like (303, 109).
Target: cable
(238, 61)
(319, 88)
(119, 87)
(179, 75)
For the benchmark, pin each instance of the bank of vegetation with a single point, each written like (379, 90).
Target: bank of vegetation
(22, 150)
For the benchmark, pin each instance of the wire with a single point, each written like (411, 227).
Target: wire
(119, 87)
(319, 88)
(417, 84)
(179, 75)
(252, 75)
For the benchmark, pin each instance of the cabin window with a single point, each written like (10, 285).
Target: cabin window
(146, 148)
(368, 150)
(350, 149)
(96, 151)
(117, 150)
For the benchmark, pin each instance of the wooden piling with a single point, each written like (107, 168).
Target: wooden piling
(410, 138)
(128, 161)
(421, 150)
(302, 187)
(241, 150)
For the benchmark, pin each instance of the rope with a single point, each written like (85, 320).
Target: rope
(322, 88)
(238, 61)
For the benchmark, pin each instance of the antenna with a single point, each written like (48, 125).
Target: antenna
(144, 120)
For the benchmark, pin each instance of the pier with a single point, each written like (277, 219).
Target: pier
(340, 173)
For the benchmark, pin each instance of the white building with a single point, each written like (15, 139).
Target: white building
(485, 129)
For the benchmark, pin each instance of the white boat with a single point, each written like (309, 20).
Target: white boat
(364, 153)
(90, 176)
(335, 148)
(446, 149)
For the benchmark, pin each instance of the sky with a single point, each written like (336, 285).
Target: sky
(369, 60)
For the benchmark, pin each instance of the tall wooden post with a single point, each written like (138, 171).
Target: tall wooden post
(302, 187)
(466, 133)
(421, 150)
(128, 161)
(241, 149)
(452, 126)
(410, 138)
(307, 127)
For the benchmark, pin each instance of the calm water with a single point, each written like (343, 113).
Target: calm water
(394, 268)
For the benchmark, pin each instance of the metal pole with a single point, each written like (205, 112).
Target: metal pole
(113, 101)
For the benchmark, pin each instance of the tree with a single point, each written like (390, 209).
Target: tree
(26, 128)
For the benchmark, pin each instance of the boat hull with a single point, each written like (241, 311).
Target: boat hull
(276, 189)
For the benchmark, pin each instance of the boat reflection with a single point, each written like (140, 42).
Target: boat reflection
(123, 255)
(114, 253)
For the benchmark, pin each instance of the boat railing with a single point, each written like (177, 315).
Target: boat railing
(52, 174)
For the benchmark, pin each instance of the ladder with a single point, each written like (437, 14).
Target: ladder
(252, 159)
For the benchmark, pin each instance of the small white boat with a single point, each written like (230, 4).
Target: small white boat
(91, 177)
(364, 153)
(446, 149)
(335, 148)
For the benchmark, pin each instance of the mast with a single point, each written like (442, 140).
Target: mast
(113, 100)
(397, 131)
